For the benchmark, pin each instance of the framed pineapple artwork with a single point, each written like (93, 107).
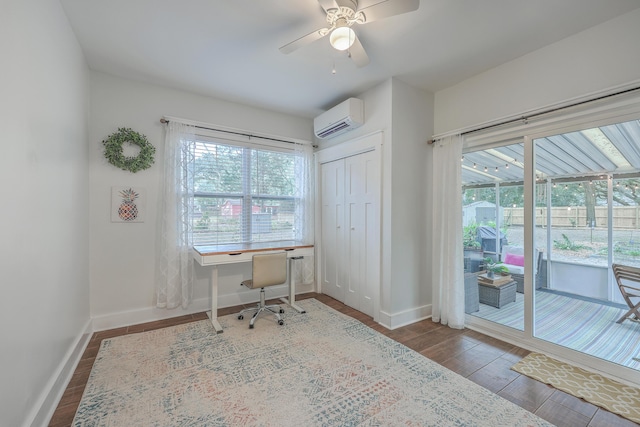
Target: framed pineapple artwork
(128, 204)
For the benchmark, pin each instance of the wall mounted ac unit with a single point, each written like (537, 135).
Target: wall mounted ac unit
(342, 118)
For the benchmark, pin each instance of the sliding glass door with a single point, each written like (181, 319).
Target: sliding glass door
(556, 201)
(493, 220)
(586, 218)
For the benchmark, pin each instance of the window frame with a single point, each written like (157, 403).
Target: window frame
(246, 196)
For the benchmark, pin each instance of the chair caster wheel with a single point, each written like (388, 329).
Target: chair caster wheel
(250, 326)
(240, 317)
(281, 311)
(280, 322)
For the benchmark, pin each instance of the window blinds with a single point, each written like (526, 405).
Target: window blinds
(242, 194)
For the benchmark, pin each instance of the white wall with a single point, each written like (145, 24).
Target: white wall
(412, 127)
(596, 59)
(44, 215)
(377, 116)
(404, 114)
(585, 280)
(123, 255)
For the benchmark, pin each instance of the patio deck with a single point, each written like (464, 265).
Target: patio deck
(581, 324)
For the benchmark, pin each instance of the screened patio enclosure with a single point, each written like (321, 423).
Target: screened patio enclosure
(587, 153)
(586, 217)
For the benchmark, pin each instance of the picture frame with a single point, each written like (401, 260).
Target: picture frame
(128, 204)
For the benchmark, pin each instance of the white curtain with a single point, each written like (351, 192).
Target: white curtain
(174, 286)
(447, 272)
(303, 270)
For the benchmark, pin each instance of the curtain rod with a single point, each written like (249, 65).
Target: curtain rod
(248, 135)
(525, 118)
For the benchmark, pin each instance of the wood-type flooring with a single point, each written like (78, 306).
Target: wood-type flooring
(480, 358)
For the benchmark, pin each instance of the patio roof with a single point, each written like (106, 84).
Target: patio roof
(612, 149)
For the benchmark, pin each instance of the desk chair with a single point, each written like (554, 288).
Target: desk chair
(628, 279)
(268, 270)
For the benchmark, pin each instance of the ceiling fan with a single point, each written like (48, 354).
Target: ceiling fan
(342, 15)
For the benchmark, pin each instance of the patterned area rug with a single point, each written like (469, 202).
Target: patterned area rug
(321, 368)
(608, 394)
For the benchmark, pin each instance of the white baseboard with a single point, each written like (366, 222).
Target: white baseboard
(50, 397)
(151, 314)
(148, 314)
(404, 318)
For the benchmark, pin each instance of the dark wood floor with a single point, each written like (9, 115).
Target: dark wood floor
(482, 359)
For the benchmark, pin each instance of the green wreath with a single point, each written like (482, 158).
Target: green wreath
(115, 156)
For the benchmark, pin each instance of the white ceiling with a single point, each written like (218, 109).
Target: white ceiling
(228, 49)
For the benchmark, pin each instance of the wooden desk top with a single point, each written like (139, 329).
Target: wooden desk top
(233, 248)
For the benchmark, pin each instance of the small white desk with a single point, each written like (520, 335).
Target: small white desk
(216, 255)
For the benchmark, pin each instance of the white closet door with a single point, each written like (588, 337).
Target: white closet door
(361, 220)
(350, 221)
(332, 188)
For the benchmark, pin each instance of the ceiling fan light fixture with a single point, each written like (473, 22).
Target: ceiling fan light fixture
(342, 38)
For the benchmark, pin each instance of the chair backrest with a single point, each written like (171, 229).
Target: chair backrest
(628, 274)
(269, 269)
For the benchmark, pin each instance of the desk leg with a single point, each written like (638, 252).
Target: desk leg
(213, 314)
(292, 288)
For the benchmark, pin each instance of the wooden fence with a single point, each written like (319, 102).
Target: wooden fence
(624, 217)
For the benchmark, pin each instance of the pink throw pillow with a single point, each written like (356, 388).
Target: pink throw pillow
(514, 259)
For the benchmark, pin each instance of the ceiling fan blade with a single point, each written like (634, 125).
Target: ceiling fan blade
(304, 40)
(358, 54)
(328, 4)
(387, 8)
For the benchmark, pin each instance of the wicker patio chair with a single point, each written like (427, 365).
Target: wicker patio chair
(471, 293)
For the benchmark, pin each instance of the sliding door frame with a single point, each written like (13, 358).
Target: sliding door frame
(624, 108)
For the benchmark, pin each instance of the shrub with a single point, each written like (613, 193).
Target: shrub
(567, 244)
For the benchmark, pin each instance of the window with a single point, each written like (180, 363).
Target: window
(243, 194)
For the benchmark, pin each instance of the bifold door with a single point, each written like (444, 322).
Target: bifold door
(350, 221)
